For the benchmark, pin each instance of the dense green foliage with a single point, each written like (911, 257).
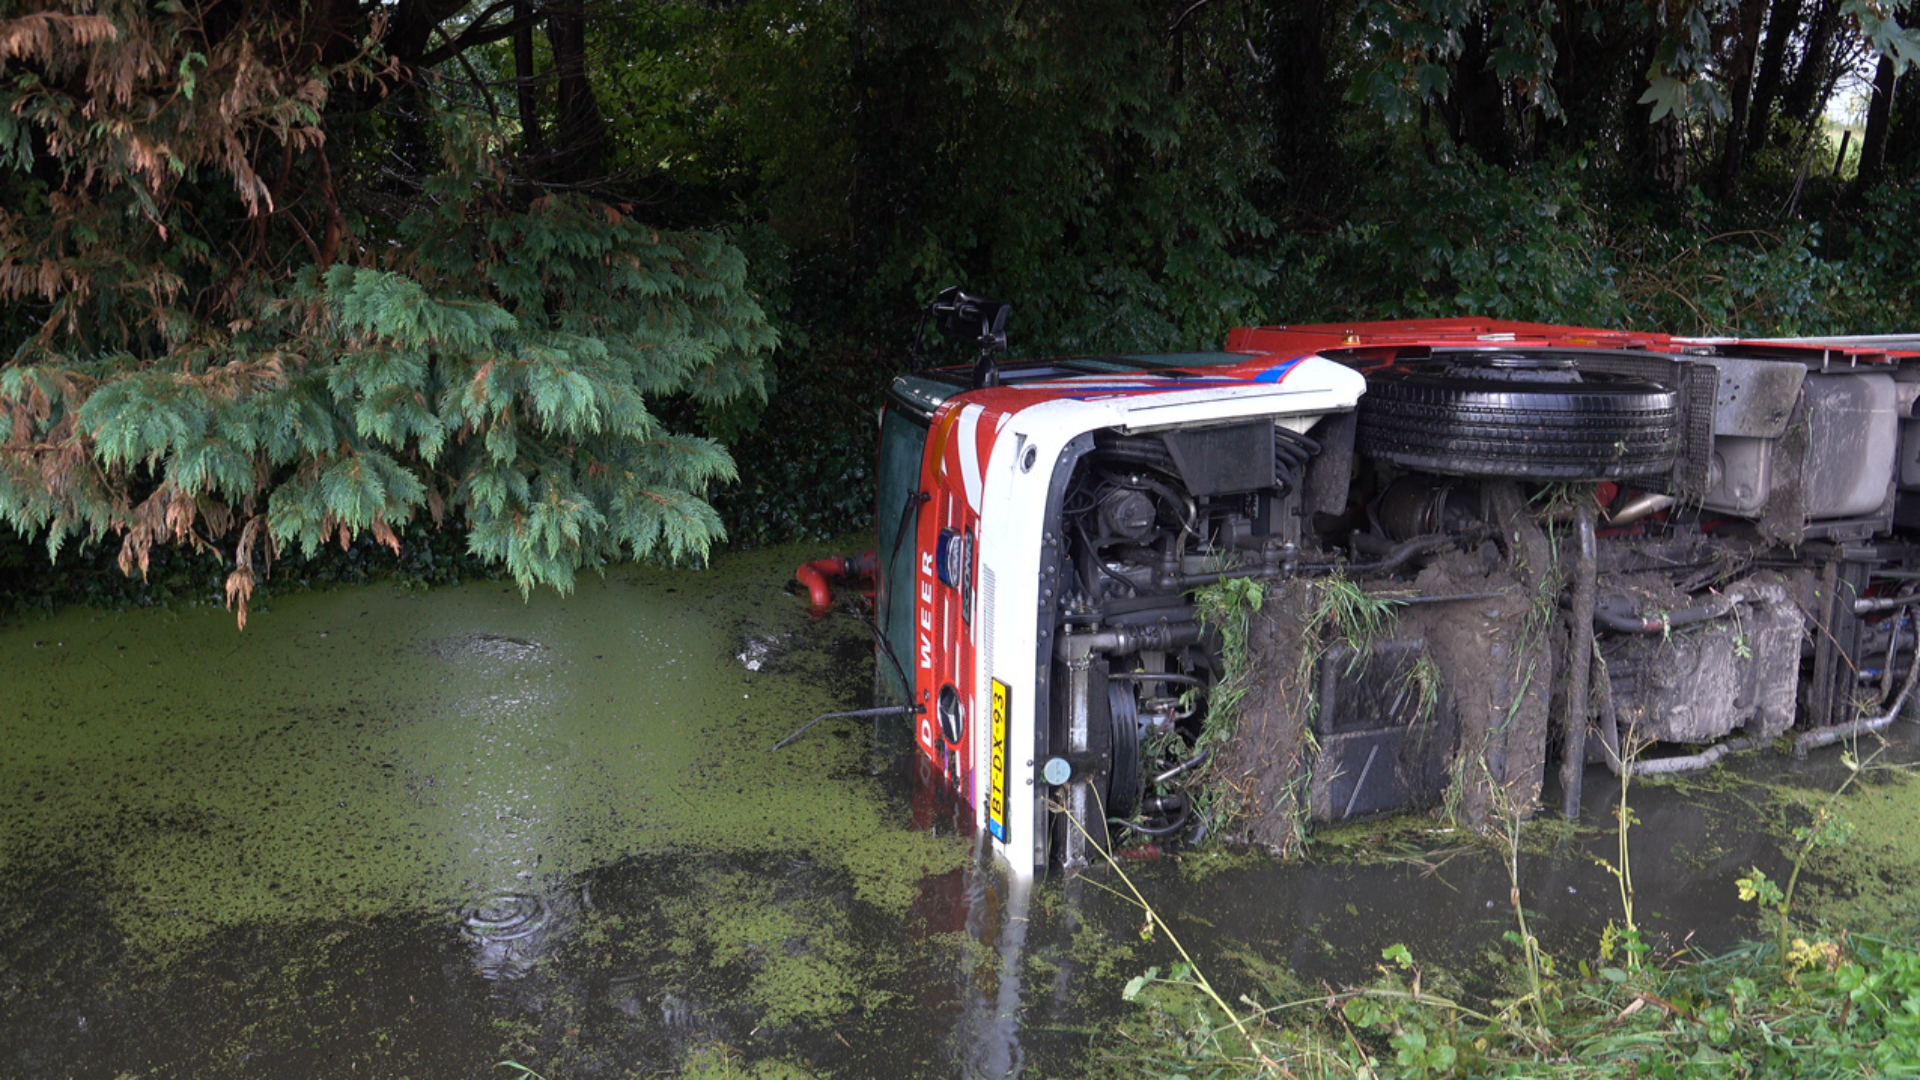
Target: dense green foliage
(1137, 175)
(1816, 1000)
(1831, 1008)
(281, 276)
(398, 326)
(272, 275)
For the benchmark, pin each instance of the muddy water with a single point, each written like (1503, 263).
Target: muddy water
(423, 832)
(394, 833)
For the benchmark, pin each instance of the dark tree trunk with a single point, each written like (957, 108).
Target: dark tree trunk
(329, 32)
(523, 76)
(1176, 61)
(1302, 101)
(579, 131)
(898, 80)
(1806, 90)
(1599, 74)
(411, 28)
(1476, 112)
(1903, 134)
(1782, 22)
(1740, 56)
(409, 37)
(1669, 152)
(1873, 144)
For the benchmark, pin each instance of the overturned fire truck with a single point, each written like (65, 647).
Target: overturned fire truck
(1629, 549)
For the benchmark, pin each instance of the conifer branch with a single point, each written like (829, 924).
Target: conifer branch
(228, 365)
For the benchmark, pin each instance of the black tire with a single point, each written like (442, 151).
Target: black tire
(1601, 428)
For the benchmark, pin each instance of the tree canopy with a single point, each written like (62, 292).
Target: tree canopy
(270, 283)
(278, 275)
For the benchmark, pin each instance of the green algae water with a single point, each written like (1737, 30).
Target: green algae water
(400, 833)
(367, 750)
(373, 776)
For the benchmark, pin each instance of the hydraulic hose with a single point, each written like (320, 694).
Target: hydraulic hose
(1075, 648)
(1191, 763)
(1154, 677)
(1182, 807)
(1829, 735)
(820, 574)
(1667, 766)
(1405, 552)
(1612, 616)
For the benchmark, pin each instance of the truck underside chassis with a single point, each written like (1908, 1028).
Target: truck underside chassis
(1643, 557)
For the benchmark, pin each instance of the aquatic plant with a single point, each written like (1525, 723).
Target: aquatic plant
(1624, 935)
(1829, 828)
(1537, 964)
(1809, 1004)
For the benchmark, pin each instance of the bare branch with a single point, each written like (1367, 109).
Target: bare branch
(481, 32)
(1174, 27)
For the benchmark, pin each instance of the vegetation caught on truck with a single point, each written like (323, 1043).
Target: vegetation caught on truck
(1628, 549)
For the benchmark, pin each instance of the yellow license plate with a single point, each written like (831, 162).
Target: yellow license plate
(997, 796)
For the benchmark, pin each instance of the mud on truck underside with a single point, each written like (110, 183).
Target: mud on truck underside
(1481, 545)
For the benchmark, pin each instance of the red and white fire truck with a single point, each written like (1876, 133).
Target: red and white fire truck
(1042, 526)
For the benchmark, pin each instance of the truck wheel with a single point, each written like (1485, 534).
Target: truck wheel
(1600, 428)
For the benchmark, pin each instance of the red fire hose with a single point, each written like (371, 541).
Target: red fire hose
(820, 574)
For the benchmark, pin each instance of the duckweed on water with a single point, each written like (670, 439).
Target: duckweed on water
(1869, 883)
(721, 1063)
(374, 750)
(415, 833)
(793, 952)
(1835, 996)
(402, 833)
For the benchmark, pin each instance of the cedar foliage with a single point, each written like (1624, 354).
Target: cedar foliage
(330, 266)
(266, 286)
